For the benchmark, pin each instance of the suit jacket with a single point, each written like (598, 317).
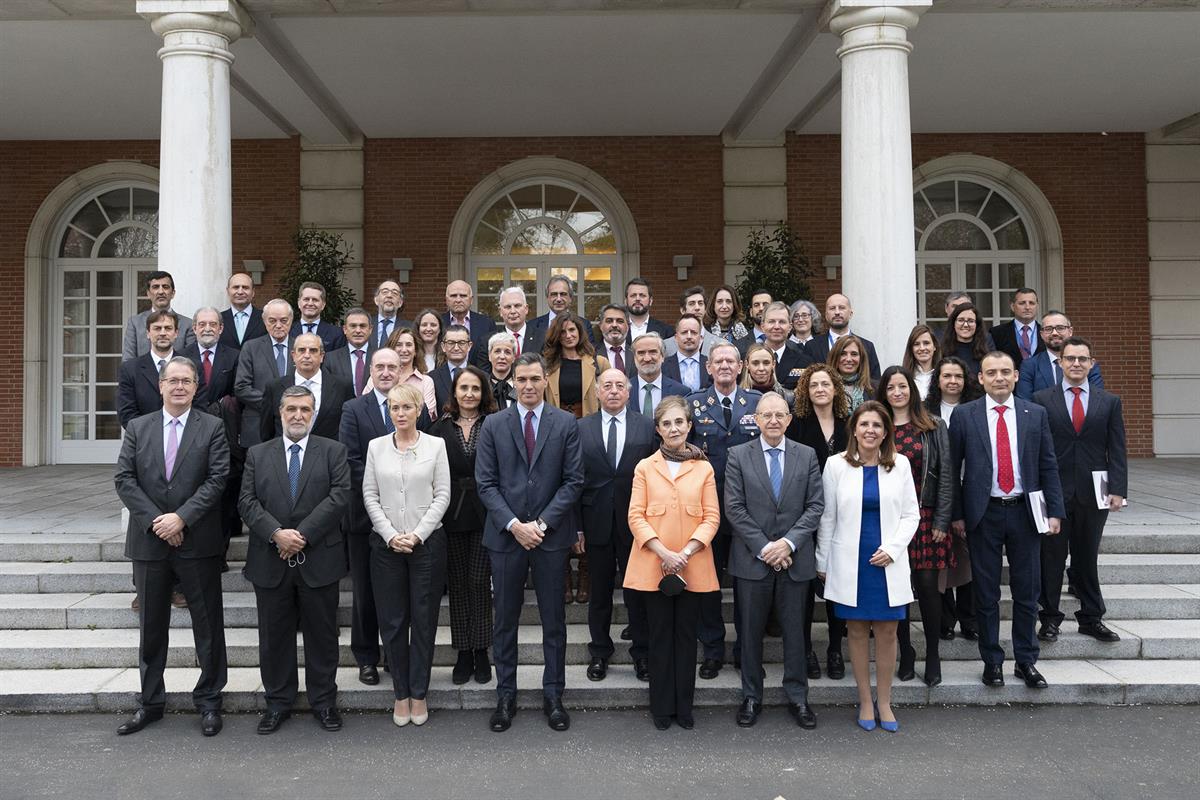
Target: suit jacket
(818, 348)
(674, 510)
(512, 485)
(224, 373)
(541, 327)
(708, 340)
(529, 342)
(971, 457)
(1100, 445)
(399, 323)
(193, 491)
(1037, 373)
(1004, 338)
(321, 502)
(589, 371)
(654, 326)
(136, 343)
(792, 364)
(331, 335)
(606, 489)
(807, 430)
(669, 388)
(673, 370)
(254, 328)
(841, 529)
(443, 384)
(756, 518)
(602, 349)
(334, 394)
(137, 388)
(256, 370)
(481, 329)
(339, 363)
(709, 431)
(406, 494)
(362, 421)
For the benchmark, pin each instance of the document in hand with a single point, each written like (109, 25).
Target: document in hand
(1037, 506)
(1100, 483)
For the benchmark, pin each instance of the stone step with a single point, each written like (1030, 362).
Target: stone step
(1071, 681)
(117, 647)
(30, 610)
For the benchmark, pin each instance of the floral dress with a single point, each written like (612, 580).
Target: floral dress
(923, 551)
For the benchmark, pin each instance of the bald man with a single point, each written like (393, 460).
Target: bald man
(459, 298)
(838, 313)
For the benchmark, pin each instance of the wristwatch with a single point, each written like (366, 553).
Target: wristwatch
(541, 523)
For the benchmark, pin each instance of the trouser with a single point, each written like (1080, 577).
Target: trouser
(509, 568)
(672, 652)
(294, 605)
(408, 595)
(1006, 529)
(789, 599)
(1081, 531)
(364, 621)
(200, 581)
(606, 561)
(470, 584)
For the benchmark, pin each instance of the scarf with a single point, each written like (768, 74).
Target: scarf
(689, 452)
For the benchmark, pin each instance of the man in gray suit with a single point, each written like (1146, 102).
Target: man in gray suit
(160, 291)
(260, 362)
(170, 475)
(773, 500)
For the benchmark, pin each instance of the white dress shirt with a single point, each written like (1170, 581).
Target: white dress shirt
(287, 446)
(1010, 422)
(655, 392)
(636, 330)
(313, 384)
(1069, 396)
(607, 419)
(381, 404)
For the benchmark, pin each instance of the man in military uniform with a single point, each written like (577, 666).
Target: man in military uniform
(722, 416)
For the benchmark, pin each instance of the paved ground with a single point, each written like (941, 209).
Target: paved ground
(1064, 752)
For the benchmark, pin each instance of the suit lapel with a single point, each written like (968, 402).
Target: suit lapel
(759, 460)
(306, 466)
(981, 427)
(149, 370)
(189, 436)
(543, 433)
(1058, 407)
(157, 445)
(515, 424)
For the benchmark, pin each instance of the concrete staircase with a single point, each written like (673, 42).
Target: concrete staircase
(68, 639)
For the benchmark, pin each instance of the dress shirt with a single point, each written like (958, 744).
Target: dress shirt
(655, 392)
(381, 403)
(608, 418)
(673, 467)
(1010, 421)
(241, 319)
(287, 444)
(537, 420)
(721, 400)
(1055, 369)
(314, 386)
(304, 323)
(465, 321)
(160, 362)
(758, 335)
(167, 420)
(923, 379)
(1033, 335)
(212, 355)
(833, 337)
(636, 330)
(353, 351)
(689, 370)
(391, 321)
(766, 448)
(779, 353)
(450, 365)
(1069, 396)
(519, 335)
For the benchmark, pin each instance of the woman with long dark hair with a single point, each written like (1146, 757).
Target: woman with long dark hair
(849, 358)
(921, 354)
(967, 338)
(723, 314)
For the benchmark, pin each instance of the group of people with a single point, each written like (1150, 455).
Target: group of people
(452, 454)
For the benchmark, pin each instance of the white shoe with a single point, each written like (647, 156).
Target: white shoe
(421, 719)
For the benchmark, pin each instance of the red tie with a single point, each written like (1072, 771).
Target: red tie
(1004, 468)
(517, 339)
(1077, 409)
(208, 372)
(530, 439)
(618, 359)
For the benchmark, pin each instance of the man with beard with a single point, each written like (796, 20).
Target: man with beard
(638, 299)
(1043, 370)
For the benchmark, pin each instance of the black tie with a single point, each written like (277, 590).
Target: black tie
(1057, 374)
(728, 404)
(612, 442)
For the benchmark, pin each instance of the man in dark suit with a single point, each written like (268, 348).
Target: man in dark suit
(295, 493)
(614, 339)
(312, 303)
(650, 382)
(457, 347)
(352, 363)
(260, 362)
(1089, 436)
(389, 301)
(638, 300)
(790, 360)
(529, 476)
(329, 392)
(170, 476)
(459, 298)
(160, 291)
(1020, 338)
(687, 364)
(1002, 447)
(138, 384)
(838, 313)
(612, 442)
(560, 297)
(365, 418)
(241, 322)
(759, 301)
(774, 499)
(513, 312)
(1043, 370)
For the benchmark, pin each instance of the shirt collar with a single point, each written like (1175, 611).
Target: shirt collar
(619, 416)
(1067, 387)
(721, 397)
(300, 379)
(287, 444)
(656, 382)
(380, 397)
(537, 410)
(991, 404)
(766, 446)
(182, 418)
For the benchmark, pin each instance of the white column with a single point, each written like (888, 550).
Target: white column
(878, 254)
(195, 240)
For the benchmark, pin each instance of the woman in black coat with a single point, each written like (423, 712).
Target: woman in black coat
(467, 570)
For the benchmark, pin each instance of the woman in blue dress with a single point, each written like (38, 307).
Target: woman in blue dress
(871, 514)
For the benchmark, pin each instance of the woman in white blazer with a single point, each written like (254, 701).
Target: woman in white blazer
(406, 490)
(871, 513)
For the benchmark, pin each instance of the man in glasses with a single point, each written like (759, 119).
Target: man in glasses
(456, 346)
(1044, 369)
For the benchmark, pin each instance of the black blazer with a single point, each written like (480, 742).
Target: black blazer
(1004, 337)
(442, 384)
(331, 335)
(137, 388)
(334, 394)
(1100, 445)
(818, 348)
(254, 328)
(362, 421)
(321, 502)
(670, 368)
(606, 491)
(466, 513)
(193, 492)
(795, 360)
(807, 430)
(338, 363)
(654, 326)
(481, 329)
(224, 372)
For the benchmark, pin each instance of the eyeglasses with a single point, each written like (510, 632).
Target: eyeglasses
(965, 323)
(774, 416)
(802, 315)
(177, 381)
(455, 343)
(1056, 328)
(1075, 359)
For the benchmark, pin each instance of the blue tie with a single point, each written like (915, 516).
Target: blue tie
(387, 419)
(239, 323)
(294, 470)
(281, 359)
(776, 473)
(384, 324)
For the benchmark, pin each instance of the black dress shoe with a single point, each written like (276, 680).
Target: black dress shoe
(1099, 631)
(502, 717)
(328, 718)
(804, 715)
(626, 634)
(463, 667)
(1048, 632)
(598, 669)
(710, 668)
(685, 721)
(210, 723)
(814, 666)
(835, 666)
(483, 666)
(1028, 673)
(970, 634)
(368, 674)
(140, 719)
(662, 723)
(641, 669)
(556, 715)
(947, 634)
(271, 720)
(1071, 589)
(747, 715)
(993, 675)
(907, 669)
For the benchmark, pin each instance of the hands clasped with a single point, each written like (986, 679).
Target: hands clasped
(777, 555)
(527, 534)
(169, 528)
(289, 541)
(404, 542)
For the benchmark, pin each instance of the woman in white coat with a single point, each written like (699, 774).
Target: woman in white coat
(871, 513)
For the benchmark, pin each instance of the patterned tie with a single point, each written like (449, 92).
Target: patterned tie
(776, 473)
(760, 337)
(1025, 342)
(280, 359)
(172, 446)
(239, 324)
(648, 400)
(207, 367)
(294, 470)
(360, 372)
(1077, 409)
(728, 406)
(387, 418)
(612, 442)
(530, 439)
(308, 327)
(618, 358)
(1004, 465)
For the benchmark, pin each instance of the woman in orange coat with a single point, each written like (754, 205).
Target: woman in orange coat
(673, 514)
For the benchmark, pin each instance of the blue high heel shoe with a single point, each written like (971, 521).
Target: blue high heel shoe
(890, 727)
(865, 724)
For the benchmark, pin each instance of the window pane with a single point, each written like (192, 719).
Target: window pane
(599, 240)
(1012, 236)
(526, 278)
(75, 398)
(75, 427)
(986, 305)
(75, 284)
(941, 197)
(997, 211)
(75, 245)
(1006, 299)
(130, 243)
(108, 369)
(75, 369)
(502, 216)
(957, 234)
(90, 219)
(935, 306)
(979, 276)
(108, 340)
(559, 200)
(110, 284)
(569, 272)
(75, 312)
(1012, 276)
(108, 426)
(598, 280)
(543, 240)
(75, 340)
(145, 206)
(106, 398)
(528, 200)
(922, 214)
(488, 283)
(971, 197)
(585, 215)
(116, 203)
(487, 242)
(109, 312)
(937, 276)
(592, 304)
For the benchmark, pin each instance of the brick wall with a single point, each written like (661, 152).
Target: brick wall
(1097, 188)
(266, 210)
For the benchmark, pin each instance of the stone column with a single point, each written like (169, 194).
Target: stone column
(195, 240)
(878, 252)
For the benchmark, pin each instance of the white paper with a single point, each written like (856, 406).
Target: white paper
(1037, 505)
(1100, 484)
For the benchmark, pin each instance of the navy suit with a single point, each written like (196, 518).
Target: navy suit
(818, 348)
(546, 487)
(1004, 339)
(137, 388)
(254, 328)
(340, 363)
(994, 528)
(673, 370)
(1037, 373)
(481, 329)
(331, 335)
(224, 372)
(667, 386)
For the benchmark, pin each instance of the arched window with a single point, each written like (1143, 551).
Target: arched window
(971, 236)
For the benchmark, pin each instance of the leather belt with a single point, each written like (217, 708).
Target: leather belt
(1007, 501)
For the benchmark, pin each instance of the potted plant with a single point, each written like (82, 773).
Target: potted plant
(773, 262)
(321, 257)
